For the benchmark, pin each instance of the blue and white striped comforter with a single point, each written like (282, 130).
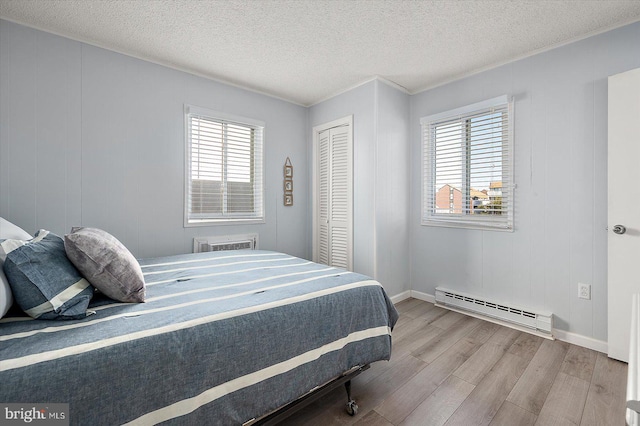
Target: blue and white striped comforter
(222, 338)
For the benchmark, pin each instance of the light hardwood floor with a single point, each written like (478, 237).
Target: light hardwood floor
(450, 369)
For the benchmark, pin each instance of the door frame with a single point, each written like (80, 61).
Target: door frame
(344, 121)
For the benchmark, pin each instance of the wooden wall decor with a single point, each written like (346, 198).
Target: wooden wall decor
(288, 183)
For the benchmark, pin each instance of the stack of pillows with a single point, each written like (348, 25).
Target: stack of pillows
(54, 278)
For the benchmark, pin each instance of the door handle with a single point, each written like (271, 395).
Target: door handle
(619, 229)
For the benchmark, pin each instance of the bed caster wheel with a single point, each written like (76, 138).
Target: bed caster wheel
(352, 408)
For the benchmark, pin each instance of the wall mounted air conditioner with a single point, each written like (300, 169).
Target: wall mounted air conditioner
(225, 242)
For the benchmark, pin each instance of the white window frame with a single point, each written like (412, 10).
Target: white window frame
(429, 217)
(258, 216)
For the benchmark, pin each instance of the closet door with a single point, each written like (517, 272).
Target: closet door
(323, 202)
(334, 200)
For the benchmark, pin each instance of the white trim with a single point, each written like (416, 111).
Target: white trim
(392, 84)
(468, 74)
(342, 91)
(412, 294)
(169, 65)
(580, 340)
(423, 296)
(458, 77)
(362, 83)
(400, 297)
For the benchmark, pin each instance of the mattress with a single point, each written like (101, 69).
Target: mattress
(222, 338)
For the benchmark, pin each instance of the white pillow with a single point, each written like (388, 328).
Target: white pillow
(8, 231)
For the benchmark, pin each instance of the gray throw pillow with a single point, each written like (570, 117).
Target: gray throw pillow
(106, 263)
(43, 281)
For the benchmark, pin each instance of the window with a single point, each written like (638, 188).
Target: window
(224, 179)
(467, 166)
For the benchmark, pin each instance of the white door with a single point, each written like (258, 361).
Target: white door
(624, 207)
(333, 200)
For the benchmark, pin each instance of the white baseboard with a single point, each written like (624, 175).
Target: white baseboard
(400, 297)
(580, 340)
(414, 294)
(423, 296)
(565, 336)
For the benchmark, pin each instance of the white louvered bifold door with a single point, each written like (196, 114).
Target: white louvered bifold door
(323, 193)
(335, 197)
(340, 194)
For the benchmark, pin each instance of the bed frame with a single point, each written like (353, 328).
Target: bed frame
(282, 413)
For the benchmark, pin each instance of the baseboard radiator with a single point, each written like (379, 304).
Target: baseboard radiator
(633, 374)
(225, 242)
(541, 322)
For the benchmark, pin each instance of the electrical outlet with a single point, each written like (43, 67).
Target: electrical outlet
(584, 291)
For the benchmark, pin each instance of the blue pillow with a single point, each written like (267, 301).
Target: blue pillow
(45, 284)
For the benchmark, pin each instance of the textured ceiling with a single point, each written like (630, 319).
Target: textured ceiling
(307, 50)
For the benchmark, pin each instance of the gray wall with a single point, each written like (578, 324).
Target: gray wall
(95, 138)
(359, 102)
(560, 235)
(392, 189)
(91, 137)
(381, 178)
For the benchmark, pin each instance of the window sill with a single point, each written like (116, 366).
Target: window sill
(215, 222)
(467, 225)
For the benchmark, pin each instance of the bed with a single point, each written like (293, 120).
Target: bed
(223, 338)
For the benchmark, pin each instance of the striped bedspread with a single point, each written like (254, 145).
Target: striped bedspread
(223, 338)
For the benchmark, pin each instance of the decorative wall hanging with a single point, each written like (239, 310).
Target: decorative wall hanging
(288, 183)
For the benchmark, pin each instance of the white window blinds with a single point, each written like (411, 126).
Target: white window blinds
(468, 167)
(224, 168)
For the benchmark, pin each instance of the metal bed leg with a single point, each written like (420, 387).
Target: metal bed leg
(352, 407)
(274, 418)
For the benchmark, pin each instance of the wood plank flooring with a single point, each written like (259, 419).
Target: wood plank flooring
(451, 369)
